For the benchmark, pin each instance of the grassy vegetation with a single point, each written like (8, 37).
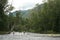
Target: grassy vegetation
(3, 32)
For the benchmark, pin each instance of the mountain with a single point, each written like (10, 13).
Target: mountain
(23, 13)
(26, 13)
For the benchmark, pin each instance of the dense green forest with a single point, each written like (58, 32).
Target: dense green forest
(43, 18)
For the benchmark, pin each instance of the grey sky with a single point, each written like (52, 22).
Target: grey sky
(24, 4)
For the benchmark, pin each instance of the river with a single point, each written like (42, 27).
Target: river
(26, 36)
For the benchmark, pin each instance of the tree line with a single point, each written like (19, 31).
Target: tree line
(43, 18)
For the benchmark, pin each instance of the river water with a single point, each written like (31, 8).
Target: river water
(26, 36)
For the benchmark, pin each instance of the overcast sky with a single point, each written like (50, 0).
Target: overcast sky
(24, 4)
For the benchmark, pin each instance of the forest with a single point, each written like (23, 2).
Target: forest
(43, 18)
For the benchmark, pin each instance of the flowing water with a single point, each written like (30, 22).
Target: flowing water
(26, 36)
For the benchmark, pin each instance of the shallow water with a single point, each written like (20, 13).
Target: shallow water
(26, 36)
